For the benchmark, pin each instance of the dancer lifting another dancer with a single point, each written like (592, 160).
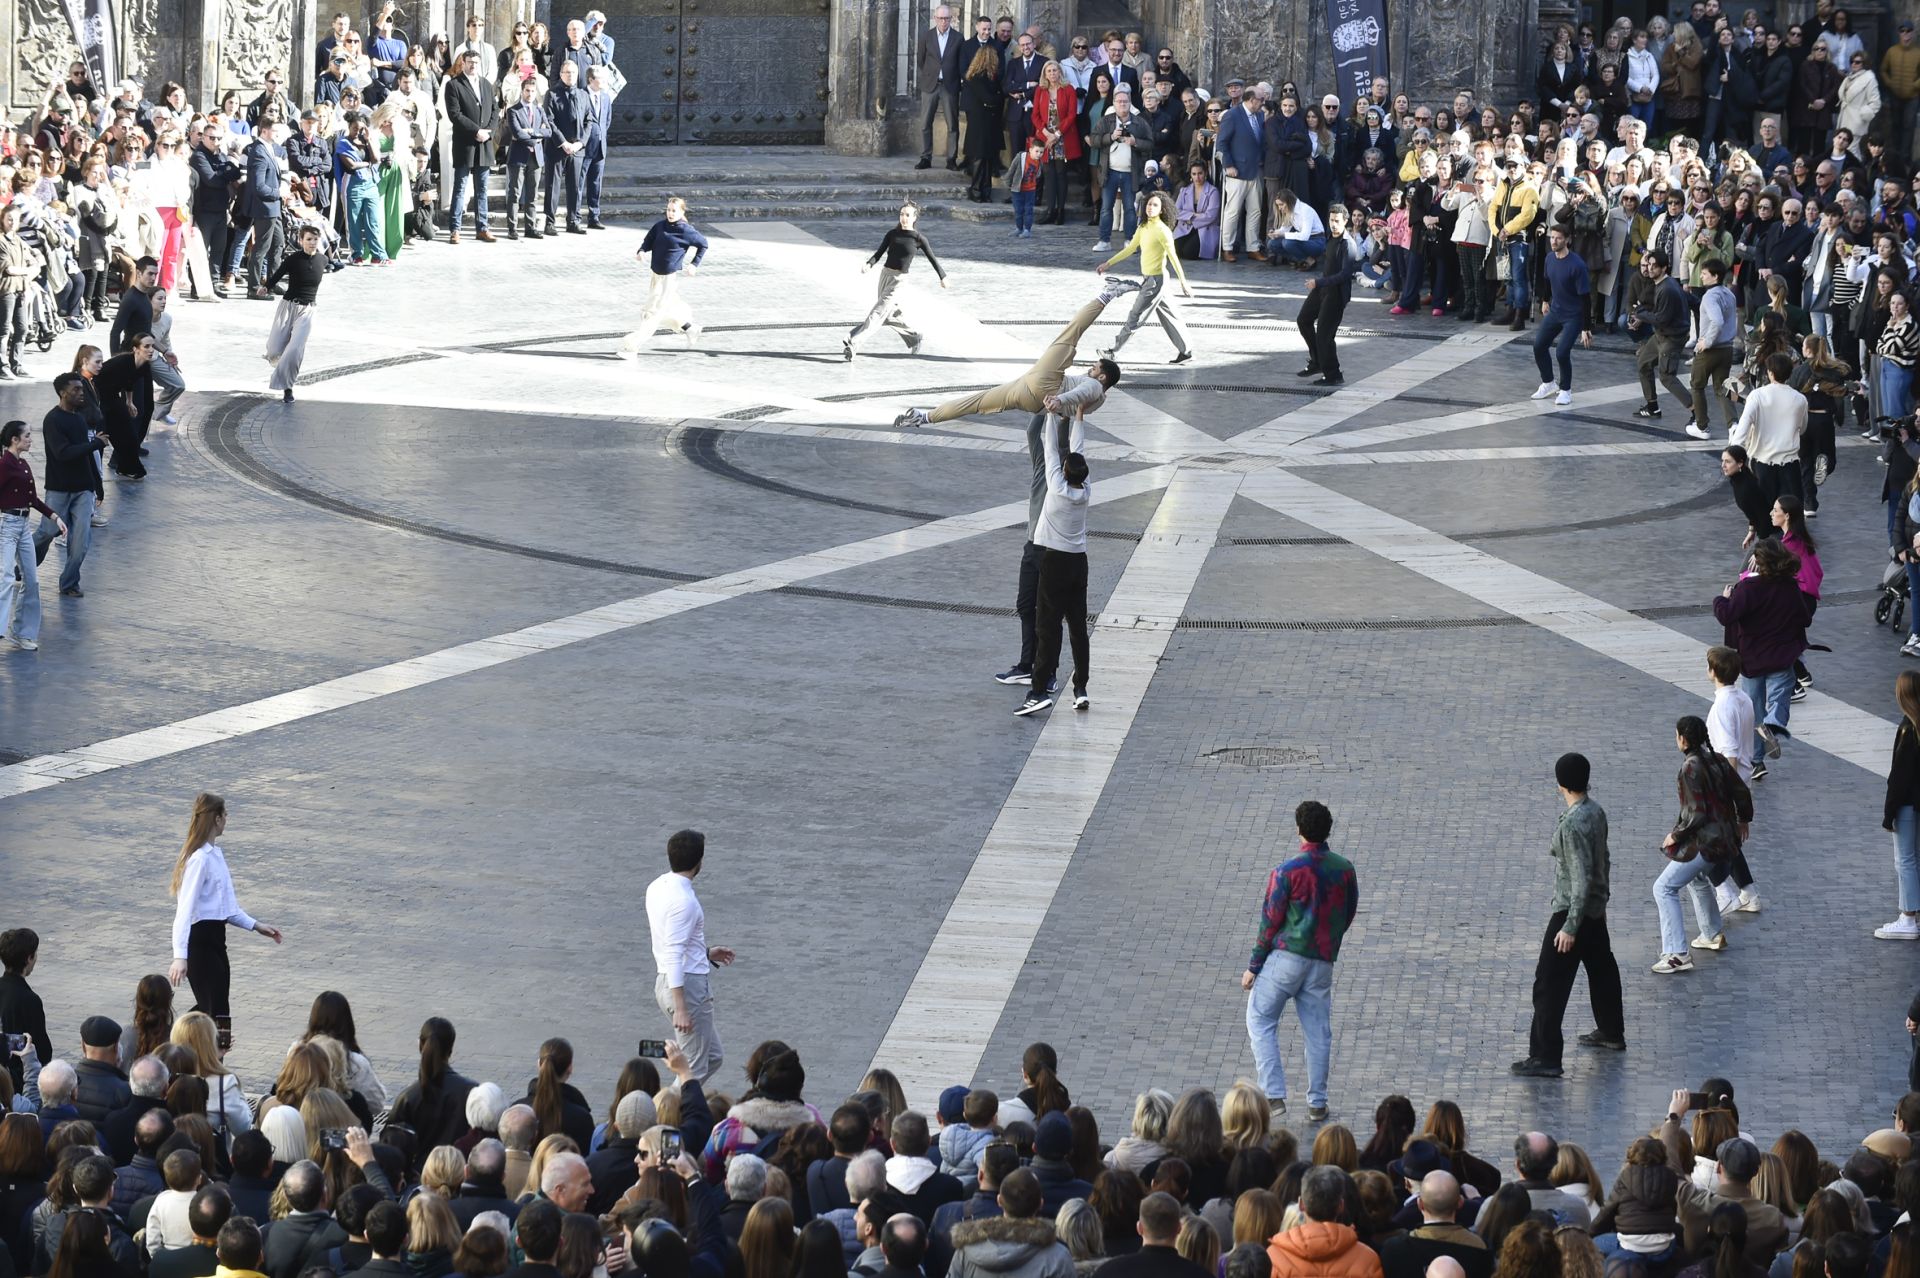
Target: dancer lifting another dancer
(897, 247)
(1046, 382)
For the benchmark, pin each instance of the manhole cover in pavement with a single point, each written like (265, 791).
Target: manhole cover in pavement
(1262, 756)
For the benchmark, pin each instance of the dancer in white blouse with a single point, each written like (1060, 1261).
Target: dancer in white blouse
(206, 904)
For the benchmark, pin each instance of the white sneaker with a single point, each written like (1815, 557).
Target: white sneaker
(1546, 389)
(170, 419)
(693, 334)
(1904, 928)
(1563, 398)
(1716, 942)
(1103, 246)
(911, 418)
(1750, 902)
(1726, 896)
(1696, 430)
(99, 520)
(1114, 286)
(1671, 963)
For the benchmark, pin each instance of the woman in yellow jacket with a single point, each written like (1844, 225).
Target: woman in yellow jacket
(1515, 206)
(1154, 242)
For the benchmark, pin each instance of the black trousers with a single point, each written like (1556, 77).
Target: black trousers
(1319, 323)
(1063, 597)
(1553, 985)
(212, 225)
(208, 972)
(1735, 868)
(1026, 602)
(1055, 187)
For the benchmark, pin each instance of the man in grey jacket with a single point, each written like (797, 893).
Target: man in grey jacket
(1014, 1245)
(1577, 931)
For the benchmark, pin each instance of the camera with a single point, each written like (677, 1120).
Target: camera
(332, 1138)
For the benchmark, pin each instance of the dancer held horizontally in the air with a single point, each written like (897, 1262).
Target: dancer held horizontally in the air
(898, 248)
(1046, 381)
(1154, 242)
(666, 248)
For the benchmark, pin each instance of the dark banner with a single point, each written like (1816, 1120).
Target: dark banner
(92, 23)
(1357, 30)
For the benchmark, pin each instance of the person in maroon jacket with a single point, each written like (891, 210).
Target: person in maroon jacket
(1766, 620)
(18, 500)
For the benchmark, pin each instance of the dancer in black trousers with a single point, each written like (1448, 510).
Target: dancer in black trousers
(1327, 296)
(206, 905)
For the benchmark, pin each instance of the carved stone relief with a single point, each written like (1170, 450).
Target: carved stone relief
(256, 37)
(43, 49)
(139, 26)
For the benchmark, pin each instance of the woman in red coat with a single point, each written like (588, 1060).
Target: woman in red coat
(1056, 125)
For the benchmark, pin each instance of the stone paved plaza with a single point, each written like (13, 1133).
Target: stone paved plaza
(466, 631)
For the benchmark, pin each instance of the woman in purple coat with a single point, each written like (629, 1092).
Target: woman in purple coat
(1765, 616)
(1196, 217)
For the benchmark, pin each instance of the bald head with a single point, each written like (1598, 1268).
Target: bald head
(1439, 1195)
(1445, 1267)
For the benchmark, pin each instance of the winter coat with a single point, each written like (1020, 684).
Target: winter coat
(1681, 84)
(1859, 104)
(1815, 82)
(1009, 1247)
(1766, 619)
(747, 1124)
(1322, 1249)
(98, 211)
(1626, 240)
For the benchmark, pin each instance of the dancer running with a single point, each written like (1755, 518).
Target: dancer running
(1154, 242)
(1045, 384)
(293, 318)
(1327, 296)
(897, 246)
(1062, 536)
(1568, 285)
(666, 248)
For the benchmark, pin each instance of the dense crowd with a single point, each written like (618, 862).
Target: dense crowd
(146, 1155)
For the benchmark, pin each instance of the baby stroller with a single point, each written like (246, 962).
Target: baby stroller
(42, 315)
(1892, 604)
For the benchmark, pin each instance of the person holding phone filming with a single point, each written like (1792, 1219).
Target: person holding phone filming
(682, 956)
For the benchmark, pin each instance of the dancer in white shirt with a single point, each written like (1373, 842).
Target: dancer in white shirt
(205, 905)
(682, 955)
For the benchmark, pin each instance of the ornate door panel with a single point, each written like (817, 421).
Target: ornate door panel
(720, 72)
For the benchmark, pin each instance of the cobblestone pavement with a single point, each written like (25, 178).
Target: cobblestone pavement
(476, 844)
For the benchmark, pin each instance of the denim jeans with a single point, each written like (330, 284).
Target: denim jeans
(16, 550)
(1609, 1245)
(1906, 858)
(1415, 278)
(1691, 875)
(77, 510)
(1769, 695)
(1117, 187)
(363, 221)
(1023, 202)
(1560, 332)
(1517, 277)
(1896, 389)
(458, 213)
(1297, 250)
(1309, 984)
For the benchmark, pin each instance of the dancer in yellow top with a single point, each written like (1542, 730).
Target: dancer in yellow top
(1154, 242)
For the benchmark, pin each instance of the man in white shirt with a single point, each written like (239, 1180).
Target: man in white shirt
(1729, 724)
(1770, 427)
(682, 956)
(1061, 535)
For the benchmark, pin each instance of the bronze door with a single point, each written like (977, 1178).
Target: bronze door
(720, 72)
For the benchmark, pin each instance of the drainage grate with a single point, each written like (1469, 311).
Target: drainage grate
(1262, 756)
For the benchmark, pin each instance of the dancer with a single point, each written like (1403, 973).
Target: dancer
(1046, 381)
(897, 246)
(1062, 537)
(1900, 814)
(1567, 284)
(18, 501)
(1715, 807)
(1729, 725)
(666, 248)
(303, 270)
(1669, 318)
(1026, 597)
(1154, 242)
(203, 888)
(1327, 296)
(1766, 618)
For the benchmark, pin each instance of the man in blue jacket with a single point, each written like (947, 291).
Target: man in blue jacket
(528, 129)
(1241, 141)
(594, 156)
(665, 251)
(260, 205)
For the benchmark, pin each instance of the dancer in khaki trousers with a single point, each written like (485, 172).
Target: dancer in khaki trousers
(293, 319)
(665, 249)
(1047, 383)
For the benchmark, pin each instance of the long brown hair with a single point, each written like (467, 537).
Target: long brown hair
(80, 358)
(766, 1240)
(207, 809)
(1906, 691)
(985, 62)
(556, 1059)
(152, 1013)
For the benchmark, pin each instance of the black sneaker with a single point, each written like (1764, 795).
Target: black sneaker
(1309, 371)
(1080, 701)
(1534, 1067)
(1759, 770)
(1015, 674)
(1647, 411)
(1183, 358)
(1594, 1038)
(1799, 693)
(1276, 1104)
(1033, 705)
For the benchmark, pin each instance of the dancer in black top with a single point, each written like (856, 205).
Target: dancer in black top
(303, 270)
(898, 248)
(1327, 296)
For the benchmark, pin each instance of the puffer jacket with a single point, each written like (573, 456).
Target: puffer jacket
(960, 1147)
(1322, 1249)
(1009, 1247)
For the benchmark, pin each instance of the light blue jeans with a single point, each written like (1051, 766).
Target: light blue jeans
(1906, 858)
(1769, 695)
(1691, 875)
(18, 618)
(1309, 984)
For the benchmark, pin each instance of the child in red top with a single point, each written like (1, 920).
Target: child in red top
(1023, 179)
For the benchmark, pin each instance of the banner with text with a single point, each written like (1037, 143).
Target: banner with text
(1357, 30)
(92, 23)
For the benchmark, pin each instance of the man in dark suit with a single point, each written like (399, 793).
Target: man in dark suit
(1120, 71)
(938, 68)
(469, 97)
(567, 108)
(214, 176)
(981, 38)
(528, 129)
(1408, 1255)
(260, 206)
(593, 158)
(1240, 146)
(1021, 79)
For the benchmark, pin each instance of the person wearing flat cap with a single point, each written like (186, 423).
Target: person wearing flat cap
(102, 1087)
(1577, 931)
(1739, 1163)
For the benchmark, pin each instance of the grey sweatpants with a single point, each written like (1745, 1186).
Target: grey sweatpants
(1152, 301)
(886, 310)
(701, 1045)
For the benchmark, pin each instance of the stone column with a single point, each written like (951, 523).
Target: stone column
(860, 69)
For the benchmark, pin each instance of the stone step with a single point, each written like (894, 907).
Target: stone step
(899, 172)
(793, 192)
(802, 210)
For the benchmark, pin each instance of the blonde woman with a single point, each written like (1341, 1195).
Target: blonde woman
(206, 906)
(543, 1153)
(433, 1234)
(1146, 1143)
(327, 1118)
(445, 1168)
(1245, 1117)
(227, 1107)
